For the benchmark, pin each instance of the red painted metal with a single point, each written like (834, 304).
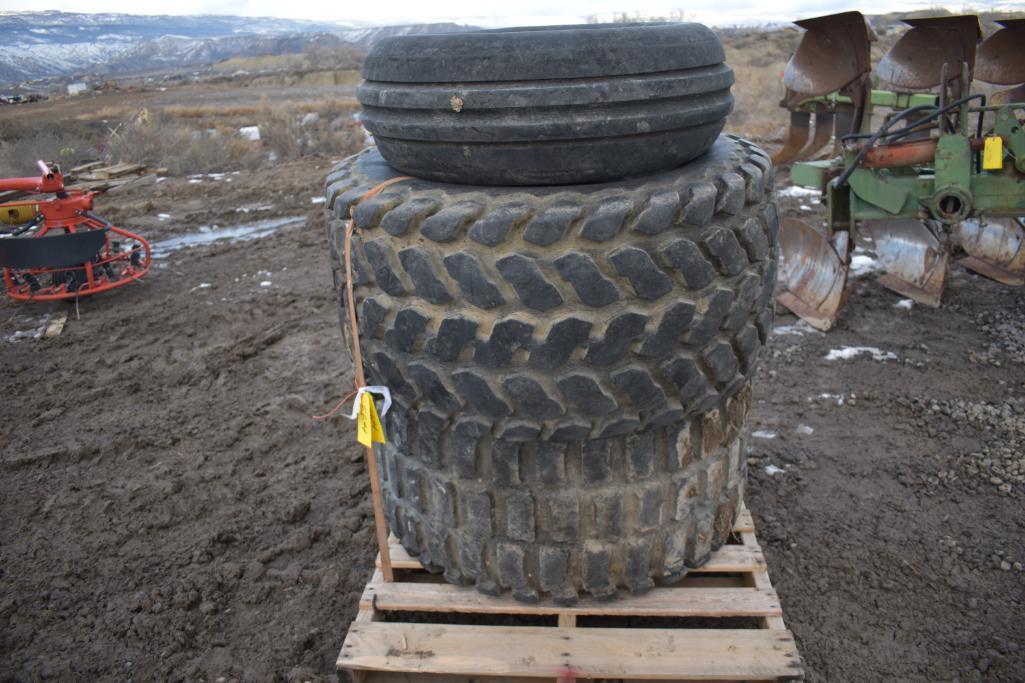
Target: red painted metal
(69, 211)
(903, 154)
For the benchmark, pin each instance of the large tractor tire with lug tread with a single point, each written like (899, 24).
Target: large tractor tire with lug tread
(570, 365)
(546, 106)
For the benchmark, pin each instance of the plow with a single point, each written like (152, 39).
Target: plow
(57, 248)
(929, 165)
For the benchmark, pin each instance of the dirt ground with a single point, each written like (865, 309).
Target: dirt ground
(170, 511)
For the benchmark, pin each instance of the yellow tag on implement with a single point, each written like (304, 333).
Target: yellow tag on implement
(993, 154)
(368, 424)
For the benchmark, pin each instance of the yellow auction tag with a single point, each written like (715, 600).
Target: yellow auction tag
(368, 424)
(993, 154)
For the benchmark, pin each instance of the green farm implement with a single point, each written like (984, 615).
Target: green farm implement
(930, 164)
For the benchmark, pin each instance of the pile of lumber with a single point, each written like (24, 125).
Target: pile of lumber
(98, 176)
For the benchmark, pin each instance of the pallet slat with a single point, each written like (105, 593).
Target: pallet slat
(114, 171)
(83, 168)
(675, 602)
(729, 558)
(724, 654)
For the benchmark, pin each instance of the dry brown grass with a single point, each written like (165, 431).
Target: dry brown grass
(159, 141)
(21, 144)
(757, 59)
(294, 132)
(347, 105)
(195, 139)
(314, 58)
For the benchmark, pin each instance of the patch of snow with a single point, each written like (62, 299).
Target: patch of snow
(163, 216)
(904, 304)
(763, 434)
(46, 58)
(849, 352)
(318, 200)
(798, 329)
(833, 397)
(772, 469)
(805, 207)
(863, 264)
(798, 191)
(265, 283)
(27, 327)
(193, 181)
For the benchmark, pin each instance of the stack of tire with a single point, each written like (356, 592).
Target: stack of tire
(567, 300)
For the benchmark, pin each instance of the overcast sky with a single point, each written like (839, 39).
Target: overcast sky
(507, 13)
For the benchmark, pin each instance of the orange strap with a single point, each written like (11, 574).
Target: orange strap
(357, 352)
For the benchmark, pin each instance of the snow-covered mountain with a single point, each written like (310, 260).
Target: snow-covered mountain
(54, 44)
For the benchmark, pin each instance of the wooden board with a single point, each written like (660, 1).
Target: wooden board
(729, 558)
(669, 602)
(84, 167)
(114, 171)
(56, 325)
(654, 654)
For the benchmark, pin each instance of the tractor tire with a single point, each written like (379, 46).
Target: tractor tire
(557, 520)
(546, 106)
(570, 366)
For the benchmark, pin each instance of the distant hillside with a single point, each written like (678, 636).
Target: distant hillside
(35, 45)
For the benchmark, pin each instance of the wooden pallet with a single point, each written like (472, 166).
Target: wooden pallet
(557, 642)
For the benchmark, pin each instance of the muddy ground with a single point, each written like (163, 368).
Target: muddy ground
(170, 511)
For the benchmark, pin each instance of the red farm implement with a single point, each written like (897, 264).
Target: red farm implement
(57, 248)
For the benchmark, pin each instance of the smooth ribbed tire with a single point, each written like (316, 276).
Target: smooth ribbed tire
(546, 106)
(563, 312)
(570, 365)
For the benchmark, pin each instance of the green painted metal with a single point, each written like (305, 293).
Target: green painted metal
(879, 98)
(811, 173)
(918, 191)
(993, 195)
(1006, 126)
(878, 188)
(952, 179)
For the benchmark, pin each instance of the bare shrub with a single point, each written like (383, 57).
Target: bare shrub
(159, 141)
(22, 144)
(185, 143)
(327, 129)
